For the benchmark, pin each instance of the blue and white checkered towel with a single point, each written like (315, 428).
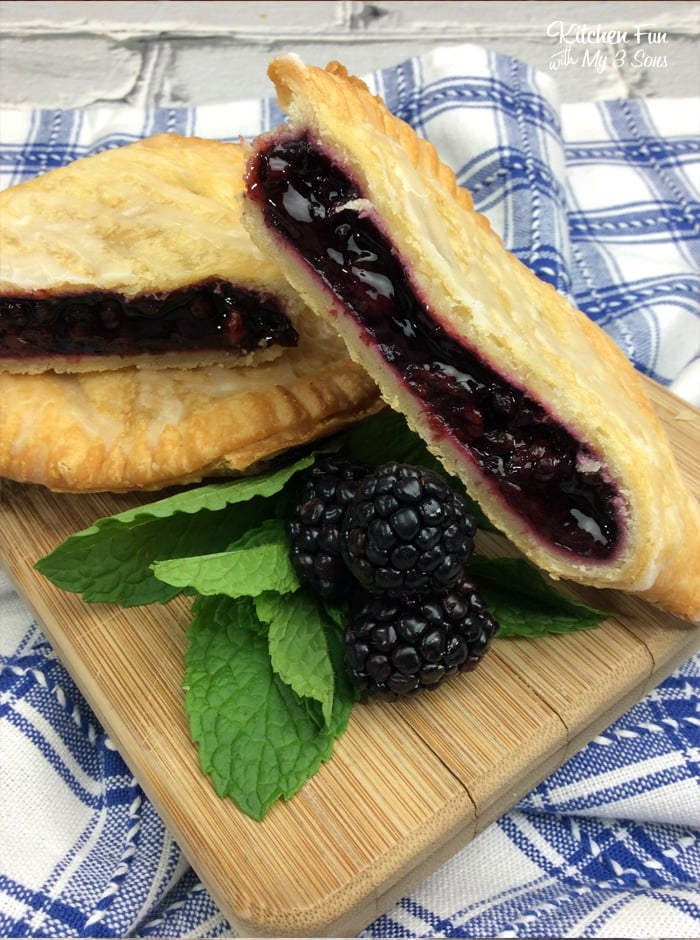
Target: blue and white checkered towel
(601, 199)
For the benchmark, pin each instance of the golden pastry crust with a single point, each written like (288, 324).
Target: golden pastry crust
(146, 429)
(154, 216)
(518, 323)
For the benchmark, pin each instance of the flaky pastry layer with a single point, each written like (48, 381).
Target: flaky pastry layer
(517, 323)
(152, 217)
(145, 429)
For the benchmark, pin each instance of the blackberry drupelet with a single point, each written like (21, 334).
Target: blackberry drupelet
(406, 531)
(400, 646)
(323, 493)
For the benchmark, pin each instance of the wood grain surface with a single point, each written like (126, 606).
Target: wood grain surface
(408, 784)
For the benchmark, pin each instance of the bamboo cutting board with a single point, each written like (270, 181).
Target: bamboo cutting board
(408, 784)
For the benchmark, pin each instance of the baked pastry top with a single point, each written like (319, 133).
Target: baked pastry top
(518, 393)
(144, 429)
(136, 256)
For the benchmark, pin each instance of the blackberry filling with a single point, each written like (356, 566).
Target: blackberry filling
(540, 469)
(213, 315)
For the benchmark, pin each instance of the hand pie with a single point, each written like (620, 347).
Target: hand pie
(136, 256)
(144, 339)
(129, 429)
(518, 393)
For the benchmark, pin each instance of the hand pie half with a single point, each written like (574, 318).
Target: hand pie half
(518, 393)
(144, 340)
(136, 256)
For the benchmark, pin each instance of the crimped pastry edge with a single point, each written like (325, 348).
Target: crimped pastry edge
(250, 417)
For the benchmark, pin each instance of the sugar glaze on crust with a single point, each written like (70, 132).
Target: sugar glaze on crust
(136, 256)
(485, 300)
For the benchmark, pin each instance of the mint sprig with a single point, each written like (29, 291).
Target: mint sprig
(257, 739)
(267, 691)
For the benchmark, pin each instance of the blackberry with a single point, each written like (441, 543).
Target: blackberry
(323, 493)
(400, 646)
(406, 531)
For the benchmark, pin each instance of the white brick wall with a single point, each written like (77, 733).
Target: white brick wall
(74, 54)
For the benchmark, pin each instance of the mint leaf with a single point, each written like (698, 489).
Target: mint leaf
(111, 560)
(337, 613)
(256, 738)
(215, 496)
(298, 647)
(257, 562)
(524, 604)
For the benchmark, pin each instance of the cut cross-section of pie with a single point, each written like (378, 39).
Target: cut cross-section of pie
(518, 393)
(136, 256)
(144, 339)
